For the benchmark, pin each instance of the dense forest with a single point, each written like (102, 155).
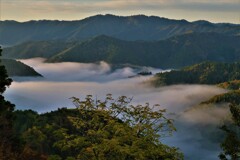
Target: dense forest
(203, 73)
(175, 52)
(232, 97)
(231, 85)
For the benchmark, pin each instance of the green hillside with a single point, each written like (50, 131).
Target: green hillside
(175, 52)
(16, 68)
(231, 85)
(203, 73)
(232, 97)
(31, 49)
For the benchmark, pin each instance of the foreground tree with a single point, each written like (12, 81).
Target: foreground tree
(7, 138)
(122, 131)
(111, 129)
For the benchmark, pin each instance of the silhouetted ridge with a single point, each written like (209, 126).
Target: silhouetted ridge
(132, 28)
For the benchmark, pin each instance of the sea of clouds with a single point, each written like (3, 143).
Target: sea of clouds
(198, 134)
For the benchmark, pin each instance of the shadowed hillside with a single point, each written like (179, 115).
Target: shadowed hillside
(137, 27)
(16, 68)
(175, 52)
(203, 73)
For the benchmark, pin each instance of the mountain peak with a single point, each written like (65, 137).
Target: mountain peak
(130, 28)
(203, 22)
(137, 16)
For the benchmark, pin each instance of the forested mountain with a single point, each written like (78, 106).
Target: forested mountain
(17, 68)
(203, 73)
(31, 49)
(231, 85)
(232, 97)
(137, 27)
(174, 52)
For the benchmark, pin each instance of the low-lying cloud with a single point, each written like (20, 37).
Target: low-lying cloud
(196, 124)
(199, 126)
(207, 114)
(69, 71)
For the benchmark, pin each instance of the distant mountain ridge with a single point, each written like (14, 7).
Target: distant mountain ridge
(139, 27)
(175, 52)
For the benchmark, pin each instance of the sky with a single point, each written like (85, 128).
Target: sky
(191, 10)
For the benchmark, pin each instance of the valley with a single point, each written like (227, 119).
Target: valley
(80, 79)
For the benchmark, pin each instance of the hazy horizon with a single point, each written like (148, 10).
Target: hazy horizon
(66, 20)
(223, 11)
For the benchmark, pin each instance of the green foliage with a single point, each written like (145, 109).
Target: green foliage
(232, 97)
(175, 52)
(109, 129)
(203, 73)
(17, 68)
(231, 85)
(143, 119)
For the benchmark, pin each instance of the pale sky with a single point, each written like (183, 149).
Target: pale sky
(191, 10)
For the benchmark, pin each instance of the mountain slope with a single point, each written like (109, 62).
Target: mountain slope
(138, 27)
(103, 48)
(174, 52)
(230, 97)
(203, 73)
(31, 49)
(16, 68)
(230, 85)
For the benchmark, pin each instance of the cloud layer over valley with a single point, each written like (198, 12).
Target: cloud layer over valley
(69, 71)
(64, 80)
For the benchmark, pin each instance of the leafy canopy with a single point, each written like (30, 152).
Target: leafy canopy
(109, 129)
